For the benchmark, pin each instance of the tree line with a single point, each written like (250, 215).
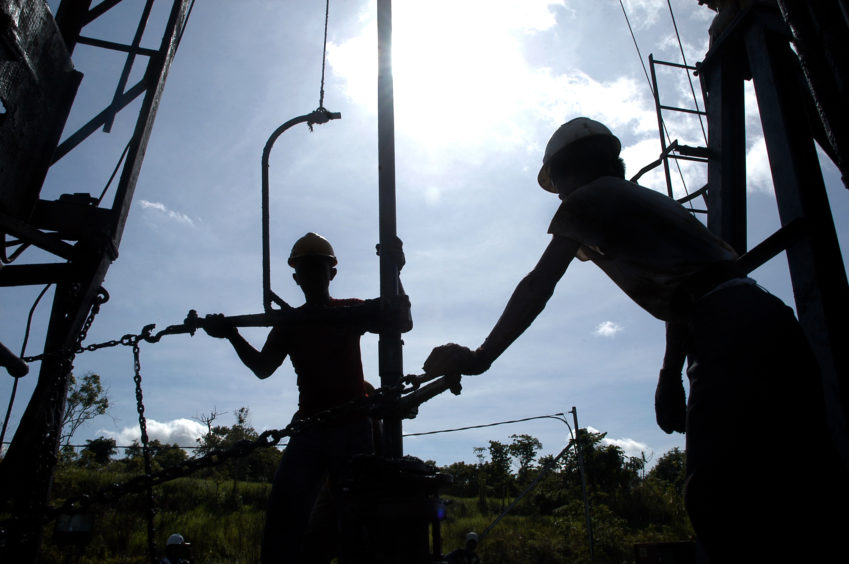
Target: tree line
(628, 502)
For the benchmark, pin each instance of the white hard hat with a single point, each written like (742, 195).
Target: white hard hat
(571, 131)
(472, 536)
(176, 538)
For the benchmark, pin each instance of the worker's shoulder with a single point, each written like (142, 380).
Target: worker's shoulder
(345, 302)
(613, 187)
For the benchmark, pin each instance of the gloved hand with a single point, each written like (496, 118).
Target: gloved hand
(394, 250)
(670, 402)
(454, 359)
(216, 326)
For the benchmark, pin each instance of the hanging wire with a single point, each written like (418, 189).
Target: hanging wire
(651, 89)
(185, 23)
(114, 172)
(554, 416)
(637, 47)
(689, 78)
(324, 54)
(23, 352)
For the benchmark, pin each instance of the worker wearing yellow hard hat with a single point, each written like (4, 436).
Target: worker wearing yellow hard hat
(326, 358)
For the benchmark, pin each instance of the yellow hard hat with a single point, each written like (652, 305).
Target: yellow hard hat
(574, 130)
(312, 245)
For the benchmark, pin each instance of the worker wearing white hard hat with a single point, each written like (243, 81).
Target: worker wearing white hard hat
(177, 550)
(466, 554)
(748, 359)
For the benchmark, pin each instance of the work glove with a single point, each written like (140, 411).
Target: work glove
(454, 359)
(395, 250)
(670, 402)
(216, 326)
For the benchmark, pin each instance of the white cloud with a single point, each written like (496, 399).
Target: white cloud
(183, 432)
(630, 447)
(159, 207)
(758, 173)
(474, 90)
(607, 329)
(644, 13)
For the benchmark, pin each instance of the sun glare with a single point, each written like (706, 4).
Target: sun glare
(459, 70)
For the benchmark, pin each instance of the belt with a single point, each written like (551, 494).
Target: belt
(742, 280)
(704, 282)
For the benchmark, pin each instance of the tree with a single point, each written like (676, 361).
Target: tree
(161, 455)
(525, 449)
(85, 401)
(466, 478)
(259, 465)
(98, 452)
(499, 468)
(670, 468)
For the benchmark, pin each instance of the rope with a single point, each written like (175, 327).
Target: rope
(324, 54)
(689, 78)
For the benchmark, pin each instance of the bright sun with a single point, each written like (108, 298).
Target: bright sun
(458, 67)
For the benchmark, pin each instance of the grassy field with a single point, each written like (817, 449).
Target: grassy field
(223, 520)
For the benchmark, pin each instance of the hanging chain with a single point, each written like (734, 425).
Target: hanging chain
(374, 404)
(101, 298)
(148, 467)
(47, 454)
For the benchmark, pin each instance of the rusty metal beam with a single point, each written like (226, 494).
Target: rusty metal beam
(32, 455)
(32, 274)
(24, 231)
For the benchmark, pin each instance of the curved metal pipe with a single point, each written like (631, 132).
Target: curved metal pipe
(319, 116)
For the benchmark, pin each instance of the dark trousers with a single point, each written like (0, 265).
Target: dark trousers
(311, 460)
(764, 481)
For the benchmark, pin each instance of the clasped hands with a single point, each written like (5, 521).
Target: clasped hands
(455, 359)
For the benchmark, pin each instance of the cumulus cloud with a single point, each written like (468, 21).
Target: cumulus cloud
(607, 329)
(183, 432)
(160, 208)
(758, 173)
(630, 447)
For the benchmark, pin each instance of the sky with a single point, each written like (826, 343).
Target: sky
(480, 85)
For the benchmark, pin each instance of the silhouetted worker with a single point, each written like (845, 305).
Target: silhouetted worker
(326, 358)
(756, 401)
(177, 550)
(465, 555)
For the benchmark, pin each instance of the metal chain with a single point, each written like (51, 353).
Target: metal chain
(215, 457)
(148, 467)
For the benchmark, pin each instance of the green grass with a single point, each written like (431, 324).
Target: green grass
(224, 520)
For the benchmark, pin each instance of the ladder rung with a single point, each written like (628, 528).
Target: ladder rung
(685, 110)
(677, 65)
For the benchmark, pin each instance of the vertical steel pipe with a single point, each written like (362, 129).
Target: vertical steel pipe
(389, 347)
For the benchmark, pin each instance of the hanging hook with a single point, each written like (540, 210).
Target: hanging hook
(319, 116)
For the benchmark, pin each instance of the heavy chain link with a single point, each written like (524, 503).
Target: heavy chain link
(267, 439)
(148, 467)
(376, 403)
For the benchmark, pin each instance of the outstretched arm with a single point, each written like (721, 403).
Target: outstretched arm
(526, 303)
(262, 363)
